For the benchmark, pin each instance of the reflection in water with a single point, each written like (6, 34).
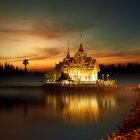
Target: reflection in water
(69, 107)
(80, 108)
(19, 100)
(33, 113)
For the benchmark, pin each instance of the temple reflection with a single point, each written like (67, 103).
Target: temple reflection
(80, 108)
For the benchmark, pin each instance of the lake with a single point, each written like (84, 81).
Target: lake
(38, 114)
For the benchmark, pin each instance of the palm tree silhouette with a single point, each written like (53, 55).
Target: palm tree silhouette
(25, 62)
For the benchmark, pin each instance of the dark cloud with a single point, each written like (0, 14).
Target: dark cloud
(121, 54)
(21, 58)
(40, 54)
(46, 30)
(51, 51)
(15, 31)
(55, 30)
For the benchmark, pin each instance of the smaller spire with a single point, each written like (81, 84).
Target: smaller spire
(81, 38)
(81, 46)
(68, 54)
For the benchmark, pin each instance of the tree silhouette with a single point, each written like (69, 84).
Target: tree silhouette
(130, 127)
(25, 62)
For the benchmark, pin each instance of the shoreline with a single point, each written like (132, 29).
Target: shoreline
(58, 87)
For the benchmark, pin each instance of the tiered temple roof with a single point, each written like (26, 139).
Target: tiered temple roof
(80, 60)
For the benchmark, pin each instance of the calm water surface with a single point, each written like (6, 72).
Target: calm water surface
(36, 114)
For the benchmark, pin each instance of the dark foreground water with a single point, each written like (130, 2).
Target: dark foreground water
(36, 114)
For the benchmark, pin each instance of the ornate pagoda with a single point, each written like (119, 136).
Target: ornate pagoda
(80, 67)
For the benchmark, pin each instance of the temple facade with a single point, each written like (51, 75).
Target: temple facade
(80, 67)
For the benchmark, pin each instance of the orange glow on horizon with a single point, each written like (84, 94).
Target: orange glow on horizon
(45, 53)
(50, 62)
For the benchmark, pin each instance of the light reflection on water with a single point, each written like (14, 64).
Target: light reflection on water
(81, 108)
(38, 114)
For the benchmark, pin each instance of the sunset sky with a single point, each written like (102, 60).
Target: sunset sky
(38, 30)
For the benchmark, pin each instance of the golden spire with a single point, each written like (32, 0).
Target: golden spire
(81, 46)
(68, 54)
(81, 38)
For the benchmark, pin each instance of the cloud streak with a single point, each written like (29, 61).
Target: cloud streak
(40, 54)
(46, 30)
(45, 53)
(127, 54)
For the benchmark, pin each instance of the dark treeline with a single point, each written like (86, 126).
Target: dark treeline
(120, 68)
(109, 68)
(9, 68)
(11, 75)
(124, 74)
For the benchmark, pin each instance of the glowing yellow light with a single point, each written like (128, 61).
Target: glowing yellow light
(78, 108)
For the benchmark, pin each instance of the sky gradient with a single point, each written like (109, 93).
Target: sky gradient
(39, 30)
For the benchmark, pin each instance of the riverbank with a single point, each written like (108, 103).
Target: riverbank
(77, 88)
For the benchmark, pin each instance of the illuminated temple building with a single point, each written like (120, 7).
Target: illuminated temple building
(80, 67)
